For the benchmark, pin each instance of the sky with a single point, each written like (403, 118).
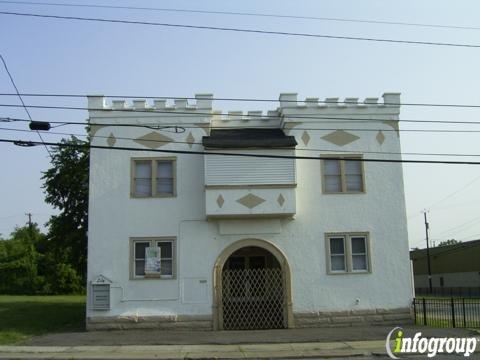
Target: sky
(62, 56)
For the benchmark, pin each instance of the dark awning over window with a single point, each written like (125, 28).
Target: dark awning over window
(248, 138)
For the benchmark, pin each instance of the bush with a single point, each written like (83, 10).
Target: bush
(18, 268)
(26, 269)
(64, 280)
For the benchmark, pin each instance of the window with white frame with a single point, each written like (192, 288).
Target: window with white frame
(167, 256)
(343, 175)
(153, 177)
(347, 253)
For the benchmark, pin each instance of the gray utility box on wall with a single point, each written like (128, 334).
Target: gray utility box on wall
(101, 293)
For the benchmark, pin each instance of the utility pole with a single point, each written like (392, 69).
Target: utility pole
(29, 220)
(30, 226)
(428, 253)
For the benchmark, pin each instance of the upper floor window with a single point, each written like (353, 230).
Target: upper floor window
(347, 253)
(343, 176)
(153, 177)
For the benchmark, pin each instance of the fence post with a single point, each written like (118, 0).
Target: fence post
(464, 315)
(453, 311)
(424, 312)
(415, 311)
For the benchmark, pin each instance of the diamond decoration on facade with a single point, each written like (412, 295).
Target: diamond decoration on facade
(220, 200)
(250, 200)
(394, 125)
(94, 128)
(305, 138)
(111, 140)
(380, 137)
(190, 140)
(281, 200)
(153, 140)
(340, 137)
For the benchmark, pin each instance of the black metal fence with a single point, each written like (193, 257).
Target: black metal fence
(448, 291)
(453, 312)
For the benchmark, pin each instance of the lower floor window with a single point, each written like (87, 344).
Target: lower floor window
(347, 253)
(161, 248)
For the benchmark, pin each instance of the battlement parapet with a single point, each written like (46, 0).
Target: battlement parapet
(202, 102)
(290, 101)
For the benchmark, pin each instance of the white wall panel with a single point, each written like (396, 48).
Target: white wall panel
(242, 170)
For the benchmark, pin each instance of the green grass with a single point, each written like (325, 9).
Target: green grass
(24, 316)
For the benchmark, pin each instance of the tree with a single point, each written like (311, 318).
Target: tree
(19, 261)
(448, 242)
(66, 189)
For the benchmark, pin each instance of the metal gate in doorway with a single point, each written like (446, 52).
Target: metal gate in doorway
(253, 298)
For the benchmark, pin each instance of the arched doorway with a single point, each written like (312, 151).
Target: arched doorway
(252, 287)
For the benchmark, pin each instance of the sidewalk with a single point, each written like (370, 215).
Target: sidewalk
(163, 337)
(347, 342)
(249, 351)
(374, 349)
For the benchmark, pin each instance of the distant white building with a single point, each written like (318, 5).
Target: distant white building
(181, 240)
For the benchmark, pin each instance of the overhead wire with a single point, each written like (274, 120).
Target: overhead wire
(239, 99)
(446, 197)
(469, 224)
(470, 236)
(242, 30)
(455, 205)
(361, 39)
(250, 14)
(454, 193)
(21, 100)
(28, 143)
(298, 149)
(184, 125)
(175, 114)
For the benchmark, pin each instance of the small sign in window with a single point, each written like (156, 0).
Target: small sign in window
(152, 261)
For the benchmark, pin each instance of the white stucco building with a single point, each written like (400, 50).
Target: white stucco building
(188, 240)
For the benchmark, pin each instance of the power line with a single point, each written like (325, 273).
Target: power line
(242, 30)
(456, 205)
(298, 149)
(237, 99)
(454, 193)
(446, 197)
(250, 14)
(470, 223)
(28, 143)
(21, 99)
(10, 216)
(184, 126)
(470, 236)
(175, 113)
(177, 128)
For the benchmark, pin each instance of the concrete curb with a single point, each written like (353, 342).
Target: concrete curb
(164, 352)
